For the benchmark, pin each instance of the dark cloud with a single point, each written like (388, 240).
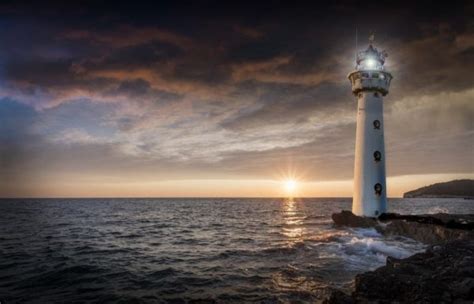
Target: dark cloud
(139, 88)
(215, 89)
(289, 103)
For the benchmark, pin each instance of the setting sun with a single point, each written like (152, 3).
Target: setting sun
(290, 186)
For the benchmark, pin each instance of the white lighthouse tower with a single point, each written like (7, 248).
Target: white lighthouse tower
(370, 82)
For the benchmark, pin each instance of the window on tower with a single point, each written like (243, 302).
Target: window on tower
(378, 189)
(376, 124)
(377, 156)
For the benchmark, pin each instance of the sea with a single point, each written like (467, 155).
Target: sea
(191, 250)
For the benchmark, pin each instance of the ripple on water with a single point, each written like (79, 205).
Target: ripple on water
(182, 250)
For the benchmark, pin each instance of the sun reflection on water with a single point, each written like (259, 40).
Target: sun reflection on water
(293, 221)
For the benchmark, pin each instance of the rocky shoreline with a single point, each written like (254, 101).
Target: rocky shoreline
(444, 273)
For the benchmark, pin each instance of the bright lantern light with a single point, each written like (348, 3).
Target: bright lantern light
(290, 186)
(370, 63)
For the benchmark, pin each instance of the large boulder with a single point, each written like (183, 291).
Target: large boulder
(347, 218)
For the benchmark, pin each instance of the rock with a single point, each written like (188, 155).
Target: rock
(452, 221)
(347, 218)
(338, 297)
(442, 274)
(429, 277)
(435, 276)
(428, 229)
(425, 233)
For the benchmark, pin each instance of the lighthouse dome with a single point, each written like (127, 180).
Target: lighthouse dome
(371, 59)
(370, 73)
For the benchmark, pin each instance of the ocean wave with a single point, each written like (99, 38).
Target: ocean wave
(64, 276)
(369, 245)
(328, 236)
(285, 250)
(121, 251)
(160, 274)
(367, 232)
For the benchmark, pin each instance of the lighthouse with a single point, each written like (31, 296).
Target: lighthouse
(370, 83)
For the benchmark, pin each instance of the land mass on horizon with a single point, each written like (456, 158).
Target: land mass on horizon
(456, 188)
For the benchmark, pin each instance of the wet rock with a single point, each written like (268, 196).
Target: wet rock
(338, 297)
(430, 277)
(428, 229)
(452, 221)
(442, 274)
(435, 276)
(347, 218)
(425, 233)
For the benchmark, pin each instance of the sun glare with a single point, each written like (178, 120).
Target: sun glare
(290, 186)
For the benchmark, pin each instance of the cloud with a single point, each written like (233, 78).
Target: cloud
(294, 104)
(127, 35)
(415, 127)
(222, 97)
(248, 31)
(432, 64)
(76, 136)
(272, 71)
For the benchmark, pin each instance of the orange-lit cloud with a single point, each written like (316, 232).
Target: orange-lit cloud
(126, 36)
(220, 105)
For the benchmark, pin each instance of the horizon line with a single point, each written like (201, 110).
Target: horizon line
(183, 197)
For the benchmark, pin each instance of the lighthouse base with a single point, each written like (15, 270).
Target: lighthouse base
(370, 208)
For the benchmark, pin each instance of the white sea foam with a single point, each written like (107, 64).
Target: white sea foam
(366, 248)
(437, 209)
(370, 245)
(367, 232)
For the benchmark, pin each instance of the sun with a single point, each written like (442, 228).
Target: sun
(290, 186)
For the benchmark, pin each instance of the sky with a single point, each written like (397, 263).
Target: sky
(207, 98)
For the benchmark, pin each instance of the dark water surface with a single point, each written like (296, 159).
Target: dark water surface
(184, 250)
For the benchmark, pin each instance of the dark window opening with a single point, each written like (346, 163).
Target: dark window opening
(365, 75)
(377, 156)
(378, 189)
(376, 212)
(376, 124)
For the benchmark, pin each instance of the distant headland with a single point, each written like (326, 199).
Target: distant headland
(456, 188)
